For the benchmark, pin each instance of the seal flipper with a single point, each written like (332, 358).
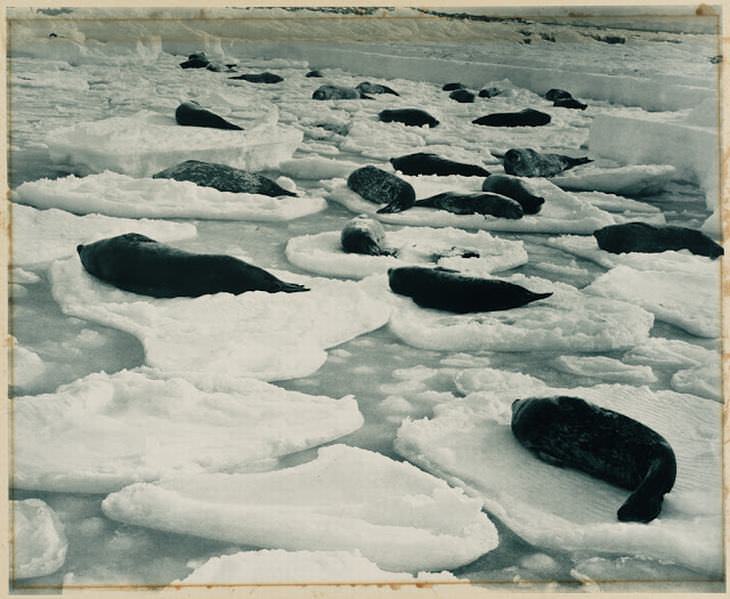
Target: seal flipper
(573, 162)
(365, 97)
(533, 297)
(645, 503)
(292, 287)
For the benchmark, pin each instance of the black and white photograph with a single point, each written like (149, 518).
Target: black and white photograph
(407, 297)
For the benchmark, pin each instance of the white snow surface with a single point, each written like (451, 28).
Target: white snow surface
(317, 168)
(38, 544)
(267, 336)
(605, 368)
(119, 195)
(631, 180)
(396, 515)
(322, 253)
(28, 366)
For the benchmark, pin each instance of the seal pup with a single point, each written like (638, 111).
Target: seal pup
(192, 114)
(338, 92)
(223, 178)
(448, 290)
(412, 117)
(375, 88)
(651, 239)
(515, 189)
(524, 118)
(570, 432)
(139, 264)
(364, 235)
(381, 187)
(526, 162)
(426, 163)
(488, 204)
(464, 96)
(449, 87)
(489, 92)
(197, 60)
(260, 77)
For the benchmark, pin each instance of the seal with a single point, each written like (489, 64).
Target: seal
(192, 114)
(488, 204)
(375, 88)
(570, 103)
(449, 87)
(412, 117)
(557, 94)
(197, 60)
(223, 178)
(314, 73)
(652, 239)
(526, 162)
(364, 235)
(464, 96)
(489, 92)
(381, 187)
(136, 263)
(515, 189)
(570, 432)
(448, 290)
(524, 118)
(260, 77)
(425, 163)
(337, 92)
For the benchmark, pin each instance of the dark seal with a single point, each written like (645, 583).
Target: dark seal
(557, 94)
(449, 87)
(197, 60)
(381, 187)
(314, 73)
(338, 92)
(260, 77)
(364, 235)
(223, 178)
(447, 290)
(412, 117)
(570, 103)
(487, 204)
(526, 162)
(375, 88)
(528, 117)
(424, 163)
(570, 432)
(515, 189)
(136, 263)
(489, 92)
(652, 239)
(192, 114)
(463, 96)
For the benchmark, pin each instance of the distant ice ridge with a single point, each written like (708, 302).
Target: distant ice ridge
(396, 515)
(267, 336)
(267, 565)
(469, 443)
(147, 142)
(103, 432)
(41, 236)
(38, 545)
(322, 253)
(124, 196)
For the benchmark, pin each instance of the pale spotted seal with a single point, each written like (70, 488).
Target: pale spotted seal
(381, 187)
(526, 162)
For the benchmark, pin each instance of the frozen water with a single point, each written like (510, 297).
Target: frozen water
(124, 196)
(106, 431)
(607, 369)
(323, 254)
(633, 180)
(347, 499)
(38, 545)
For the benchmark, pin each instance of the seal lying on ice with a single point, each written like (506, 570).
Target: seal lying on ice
(526, 162)
(652, 239)
(570, 432)
(413, 117)
(425, 163)
(463, 96)
(364, 235)
(491, 204)
(375, 88)
(381, 187)
(515, 189)
(529, 117)
(192, 114)
(136, 263)
(338, 92)
(260, 77)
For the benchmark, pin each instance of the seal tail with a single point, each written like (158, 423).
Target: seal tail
(533, 297)
(578, 161)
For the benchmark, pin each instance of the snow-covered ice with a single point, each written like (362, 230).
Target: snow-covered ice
(605, 368)
(631, 180)
(28, 366)
(317, 168)
(38, 545)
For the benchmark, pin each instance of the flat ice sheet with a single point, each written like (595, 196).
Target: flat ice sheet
(606, 369)
(322, 253)
(396, 515)
(632, 180)
(121, 195)
(267, 336)
(38, 544)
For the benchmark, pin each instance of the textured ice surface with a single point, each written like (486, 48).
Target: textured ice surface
(317, 168)
(44, 235)
(121, 195)
(53, 79)
(705, 380)
(27, 365)
(624, 208)
(397, 516)
(147, 142)
(276, 565)
(604, 368)
(102, 432)
(632, 180)
(469, 443)
(322, 253)
(261, 335)
(38, 544)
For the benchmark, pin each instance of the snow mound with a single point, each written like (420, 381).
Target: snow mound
(267, 336)
(396, 515)
(103, 432)
(113, 194)
(323, 254)
(607, 369)
(469, 443)
(267, 565)
(44, 235)
(317, 168)
(632, 180)
(38, 544)
(147, 142)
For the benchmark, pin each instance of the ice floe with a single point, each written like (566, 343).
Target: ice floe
(317, 168)
(28, 366)
(396, 515)
(705, 381)
(605, 368)
(632, 180)
(268, 336)
(119, 195)
(38, 544)
(103, 432)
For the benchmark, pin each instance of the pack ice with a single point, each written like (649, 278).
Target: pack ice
(322, 253)
(631, 180)
(114, 194)
(469, 443)
(147, 142)
(103, 432)
(267, 336)
(396, 515)
(38, 544)
(44, 235)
